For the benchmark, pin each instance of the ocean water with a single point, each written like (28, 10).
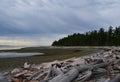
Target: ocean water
(14, 54)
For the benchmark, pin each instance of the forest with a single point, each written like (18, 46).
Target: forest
(100, 37)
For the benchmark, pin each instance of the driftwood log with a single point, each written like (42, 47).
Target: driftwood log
(116, 78)
(72, 74)
(105, 63)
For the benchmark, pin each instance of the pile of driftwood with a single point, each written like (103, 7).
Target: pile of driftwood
(100, 67)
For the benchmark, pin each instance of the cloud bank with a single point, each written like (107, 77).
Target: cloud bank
(55, 18)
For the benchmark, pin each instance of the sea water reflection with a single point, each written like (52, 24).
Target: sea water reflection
(15, 54)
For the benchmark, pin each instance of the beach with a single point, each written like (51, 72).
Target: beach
(50, 54)
(94, 65)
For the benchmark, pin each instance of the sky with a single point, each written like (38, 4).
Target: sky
(40, 22)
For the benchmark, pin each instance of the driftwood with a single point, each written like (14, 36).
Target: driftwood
(68, 77)
(116, 78)
(73, 70)
(16, 79)
(53, 72)
(101, 65)
(83, 78)
(99, 71)
(96, 61)
(1, 76)
(21, 73)
(34, 75)
(16, 70)
(72, 74)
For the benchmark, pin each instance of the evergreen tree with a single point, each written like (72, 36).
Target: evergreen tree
(111, 37)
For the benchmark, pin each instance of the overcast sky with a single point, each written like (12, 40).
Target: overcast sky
(40, 22)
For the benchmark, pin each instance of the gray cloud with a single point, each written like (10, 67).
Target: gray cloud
(56, 17)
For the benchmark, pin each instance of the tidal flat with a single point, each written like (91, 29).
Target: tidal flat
(50, 54)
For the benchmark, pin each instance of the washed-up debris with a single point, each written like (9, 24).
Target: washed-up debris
(100, 67)
(1, 77)
(4, 76)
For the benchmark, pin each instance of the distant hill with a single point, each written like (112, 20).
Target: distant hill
(101, 37)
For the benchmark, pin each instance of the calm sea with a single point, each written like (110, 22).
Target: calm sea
(14, 54)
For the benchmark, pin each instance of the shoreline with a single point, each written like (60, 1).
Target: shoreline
(51, 54)
(11, 63)
(99, 61)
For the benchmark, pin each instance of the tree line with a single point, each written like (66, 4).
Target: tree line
(101, 37)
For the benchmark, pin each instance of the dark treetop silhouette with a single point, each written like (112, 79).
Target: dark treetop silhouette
(101, 37)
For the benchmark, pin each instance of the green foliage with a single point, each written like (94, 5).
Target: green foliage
(111, 37)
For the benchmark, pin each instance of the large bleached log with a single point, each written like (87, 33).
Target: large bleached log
(72, 74)
(1, 76)
(100, 65)
(16, 70)
(85, 77)
(50, 74)
(99, 71)
(40, 77)
(34, 75)
(117, 62)
(68, 77)
(21, 73)
(53, 71)
(57, 78)
(116, 78)
(97, 61)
